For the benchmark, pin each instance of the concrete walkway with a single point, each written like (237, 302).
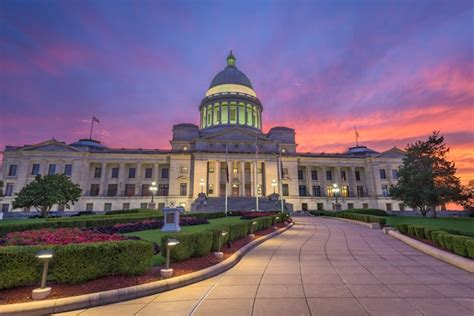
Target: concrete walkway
(319, 267)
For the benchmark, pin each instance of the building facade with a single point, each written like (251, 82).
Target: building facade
(229, 134)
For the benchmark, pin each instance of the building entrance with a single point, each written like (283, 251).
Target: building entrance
(235, 190)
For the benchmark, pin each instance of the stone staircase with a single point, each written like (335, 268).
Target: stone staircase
(217, 204)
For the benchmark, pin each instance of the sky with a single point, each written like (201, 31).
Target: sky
(399, 70)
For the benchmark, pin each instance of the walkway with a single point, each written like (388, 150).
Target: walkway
(319, 267)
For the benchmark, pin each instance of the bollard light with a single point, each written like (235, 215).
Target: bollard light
(167, 271)
(219, 254)
(42, 292)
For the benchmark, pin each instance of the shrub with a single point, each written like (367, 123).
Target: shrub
(434, 236)
(76, 262)
(190, 245)
(402, 228)
(428, 231)
(470, 248)
(367, 211)
(411, 230)
(459, 244)
(447, 241)
(219, 240)
(419, 231)
(203, 243)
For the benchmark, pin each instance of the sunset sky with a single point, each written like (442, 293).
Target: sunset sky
(397, 69)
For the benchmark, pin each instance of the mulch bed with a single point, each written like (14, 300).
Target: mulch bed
(23, 294)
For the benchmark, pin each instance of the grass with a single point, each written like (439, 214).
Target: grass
(156, 234)
(21, 221)
(461, 224)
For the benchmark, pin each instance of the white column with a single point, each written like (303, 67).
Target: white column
(217, 172)
(122, 173)
(242, 178)
(103, 174)
(309, 181)
(138, 179)
(352, 182)
(323, 181)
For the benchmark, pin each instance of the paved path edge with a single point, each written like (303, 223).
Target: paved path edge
(368, 225)
(132, 292)
(455, 260)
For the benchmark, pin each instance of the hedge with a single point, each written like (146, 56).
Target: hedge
(93, 221)
(367, 211)
(201, 243)
(451, 240)
(353, 216)
(75, 263)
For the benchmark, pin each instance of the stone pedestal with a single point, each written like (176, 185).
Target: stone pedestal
(219, 255)
(252, 236)
(166, 273)
(39, 294)
(171, 220)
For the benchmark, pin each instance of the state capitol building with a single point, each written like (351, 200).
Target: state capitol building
(229, 134)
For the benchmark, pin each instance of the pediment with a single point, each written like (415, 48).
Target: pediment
(51, 145)
(236, 134)
(392, 153)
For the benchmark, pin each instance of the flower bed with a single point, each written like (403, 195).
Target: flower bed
(146, 225)
(251, 215)
(60, 236)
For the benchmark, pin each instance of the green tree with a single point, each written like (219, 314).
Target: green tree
(427, 178)
(44, 192)
(468, 196)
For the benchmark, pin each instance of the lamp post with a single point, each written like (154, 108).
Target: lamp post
(274, 184)
(43, 291)
(335, 191)
(202, 185)
(275, 227)
(252, 230)
(219, 254)
(167, 271)
(153, 190)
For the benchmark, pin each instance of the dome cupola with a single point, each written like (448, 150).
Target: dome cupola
(230, 100)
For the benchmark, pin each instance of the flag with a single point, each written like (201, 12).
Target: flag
(95, 119)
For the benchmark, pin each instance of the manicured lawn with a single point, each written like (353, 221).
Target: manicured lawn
(461, 224)
(21, 221)
(155, 234)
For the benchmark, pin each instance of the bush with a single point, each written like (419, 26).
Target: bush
(447, 241)
(470, 248)
(83, 213)
(402, 228)
(75, 263)
(459, 245)
(190, 245)
(428, 231)
(367, 211)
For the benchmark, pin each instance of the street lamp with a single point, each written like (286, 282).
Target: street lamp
(219, 254)
(202, 185)
(335, 190)
(43, 292)
(153, 190)
(274, 184)
(167, 271)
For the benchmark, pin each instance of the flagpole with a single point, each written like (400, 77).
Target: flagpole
(356, 136)
(280, 177)
(92, 125)
(226, 178)
(256, 174)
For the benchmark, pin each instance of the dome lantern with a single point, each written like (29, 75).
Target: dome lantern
(231, 60)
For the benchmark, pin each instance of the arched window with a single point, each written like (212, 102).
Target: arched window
(254, 115)
(209, 115)
(233, 113)
(241, 113)
(224, 113)
(250, 119)
(217, 113)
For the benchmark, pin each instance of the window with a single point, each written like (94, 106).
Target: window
(360, 191)
(302, 190)
(357, 174)
(401, 206)
(97, 172)
(12, 171)
(148, 173)
(183, 189)
(184, 169)
(383, 176)
(329, 191)
(217, 113)
(395, 174)
(9, 189)
(68, 169)
(314, 175)
(35, 169)
(51, 169)
(203, 119)
(126, 206)
(107, 207)
(130, 189)
(300, 174)
(328, 175)
(241, 113)
(165, 173)
(224, 113)
(320, 206)
(163, 190)
(316, 190)
(384, 190)
(250, 117)
(94, 190)
(146, 190)
(350, 206)
(345, 191)
(233, 113)
(115, 172)
(89, 207)
(388, 206)
(285, 172)
(161, 206)
(143, 205)
(365, 205)
(285, 189)
(112, 190)
(209, 115)
(5, 207)
(132, 172)
(210, 190)
(343, 175)
(304, 207)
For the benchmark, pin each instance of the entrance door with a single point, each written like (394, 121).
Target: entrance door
(248, 190)
(235, 190)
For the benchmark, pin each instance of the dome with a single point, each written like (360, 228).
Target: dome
(231, 79)
(88, 144)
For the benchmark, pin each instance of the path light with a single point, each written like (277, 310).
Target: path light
(252, 230)
(219, 254)
(167, 271)
(43, 292)
(275, 227)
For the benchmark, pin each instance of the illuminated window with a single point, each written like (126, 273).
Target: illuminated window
(224, 113)
(233, 113)
(345, 191)
(329, 192)
(203, 112)
(249, 115)
(241, 113)
(254, 117)
(257, 123)
(209, 115)
(217, 110)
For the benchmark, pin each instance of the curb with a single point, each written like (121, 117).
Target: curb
(455, 260)
(369, 225)
(65, 304)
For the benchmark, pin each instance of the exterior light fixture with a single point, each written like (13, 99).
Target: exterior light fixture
(153, 190)
(219, 254)
(252, 230)
(276, 222)
(167, 271)
(202, 183)
(335, 191)
(42, 292)
(274, 184)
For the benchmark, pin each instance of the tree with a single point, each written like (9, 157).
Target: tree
(44, 192)
(427, 178)
(468, 196)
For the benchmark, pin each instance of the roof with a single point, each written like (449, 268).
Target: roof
(90, 143)
(231, 75)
